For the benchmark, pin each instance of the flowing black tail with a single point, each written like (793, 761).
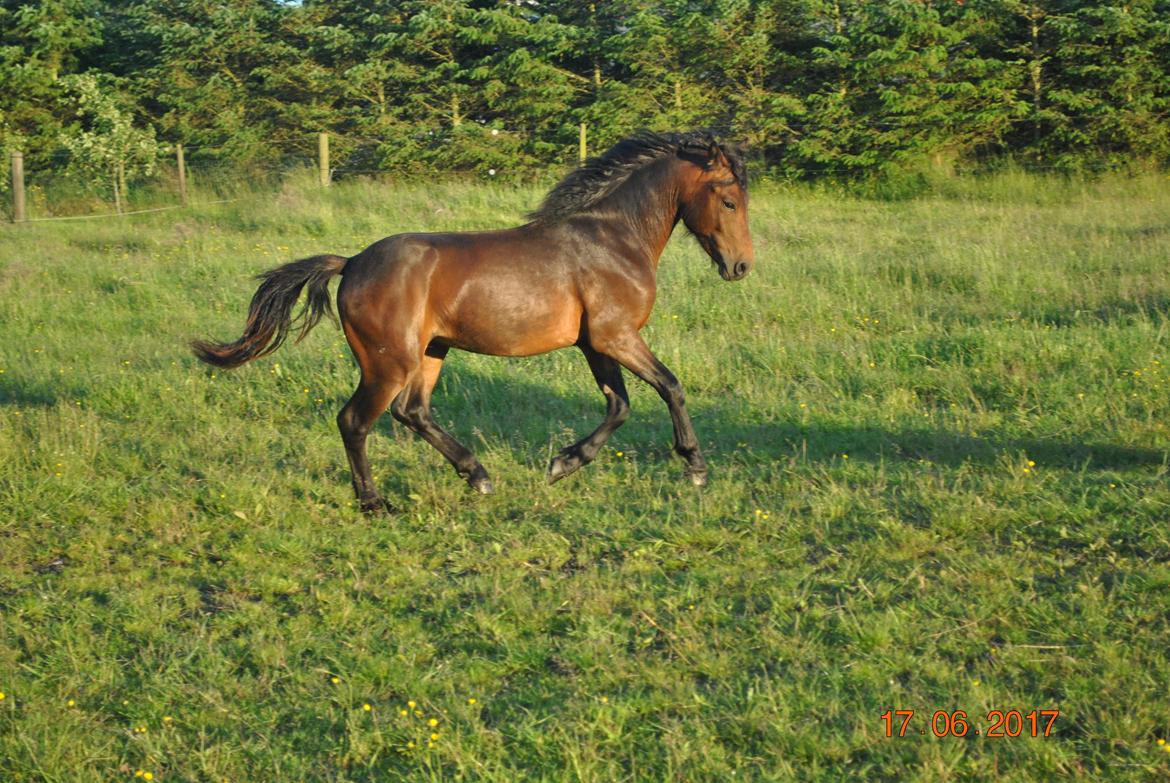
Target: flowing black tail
(270, 315)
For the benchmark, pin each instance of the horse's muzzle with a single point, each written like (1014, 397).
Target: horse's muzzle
(732, 272)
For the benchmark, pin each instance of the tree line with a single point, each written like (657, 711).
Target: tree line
(844, 88)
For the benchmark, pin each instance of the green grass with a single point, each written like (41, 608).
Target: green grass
(180, 552)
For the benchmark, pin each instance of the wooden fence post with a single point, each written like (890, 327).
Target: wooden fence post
(18, 215)
(182, 174)
(581, 153)
(323, 157)
(122, 183)
(116, 176)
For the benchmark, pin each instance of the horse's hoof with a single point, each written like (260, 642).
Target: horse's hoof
(562, 465)
(479, 481)
(376, 506)
(698, 478)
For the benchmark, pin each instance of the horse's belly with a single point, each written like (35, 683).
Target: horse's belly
(513, 320)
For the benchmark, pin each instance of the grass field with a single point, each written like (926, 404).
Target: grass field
(938, 434)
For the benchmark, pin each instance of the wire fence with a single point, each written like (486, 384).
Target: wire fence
(48, 186)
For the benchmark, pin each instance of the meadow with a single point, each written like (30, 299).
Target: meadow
(938, 435)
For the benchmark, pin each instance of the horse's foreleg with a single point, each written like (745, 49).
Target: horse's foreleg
(412, 407)
(633, 354)
(608, 374)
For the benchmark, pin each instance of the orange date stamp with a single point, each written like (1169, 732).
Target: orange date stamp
(956, 723)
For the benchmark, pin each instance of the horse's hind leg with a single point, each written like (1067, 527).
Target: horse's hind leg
(412, 407)
(355, 421)
(608, 374)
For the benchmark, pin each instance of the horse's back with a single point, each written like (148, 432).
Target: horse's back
(497, 292)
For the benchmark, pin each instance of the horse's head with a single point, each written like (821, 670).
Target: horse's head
(715, 207)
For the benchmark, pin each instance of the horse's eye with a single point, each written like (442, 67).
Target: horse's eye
(729, 204)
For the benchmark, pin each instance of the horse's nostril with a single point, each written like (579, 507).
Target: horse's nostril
(740, 269)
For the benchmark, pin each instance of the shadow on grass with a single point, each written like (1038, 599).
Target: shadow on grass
(525, 413)
(23, 394)
(820, 442)
(1148, 307)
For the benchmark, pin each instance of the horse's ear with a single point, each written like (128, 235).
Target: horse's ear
(714, 152)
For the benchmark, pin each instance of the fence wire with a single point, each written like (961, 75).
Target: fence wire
(56, 189)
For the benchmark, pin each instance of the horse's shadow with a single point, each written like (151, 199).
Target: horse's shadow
(516, 413)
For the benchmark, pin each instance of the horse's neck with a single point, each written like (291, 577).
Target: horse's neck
(657, 214)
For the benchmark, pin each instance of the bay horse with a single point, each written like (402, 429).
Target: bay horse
(582, 272)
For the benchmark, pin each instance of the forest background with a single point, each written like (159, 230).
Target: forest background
(846, 89)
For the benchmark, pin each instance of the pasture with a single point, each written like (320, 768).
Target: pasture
(938, 438)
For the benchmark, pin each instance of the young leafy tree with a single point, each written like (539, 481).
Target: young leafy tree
(105, 145)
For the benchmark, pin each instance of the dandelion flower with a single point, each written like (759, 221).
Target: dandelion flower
(334, 680)
(367, 707)
(167, 719)
(433, 722)
(411, 704)
(1161, 742)
(469, 701)
(403, 713)
(71, 703)
(434, 735)
(147, 776)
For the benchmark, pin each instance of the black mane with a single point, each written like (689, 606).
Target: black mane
(602, 175)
